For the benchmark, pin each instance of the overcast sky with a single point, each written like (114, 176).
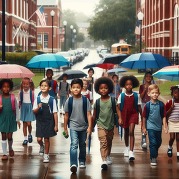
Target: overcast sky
(85, 6)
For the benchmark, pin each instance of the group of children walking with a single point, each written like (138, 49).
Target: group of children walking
(112, 108)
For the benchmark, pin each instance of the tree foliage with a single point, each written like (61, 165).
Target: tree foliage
(113, 20)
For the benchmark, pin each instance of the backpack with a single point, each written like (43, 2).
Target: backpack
(70, 108)
(161, 104)
(12, 96)
(31, 97)
(113, 101)
(67, 85)
(50, 102)
(135, 101)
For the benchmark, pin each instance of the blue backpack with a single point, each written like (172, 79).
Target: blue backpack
(50, 102)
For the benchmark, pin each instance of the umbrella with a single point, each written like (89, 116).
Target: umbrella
(47, 61)
(146, 60)
(115, 58)
(72, 74)
(117, 70)
(14, 71)
(89, 143)
(90, 66)
(169, 73)
(103, 65)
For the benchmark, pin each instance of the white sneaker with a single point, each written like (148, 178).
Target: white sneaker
(104, 165)
(109, 161)
(73, 168)
(126, 152)
(46, 158)
(82, 165)
(131, 155)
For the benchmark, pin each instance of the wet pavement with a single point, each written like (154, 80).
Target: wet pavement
(28, 164)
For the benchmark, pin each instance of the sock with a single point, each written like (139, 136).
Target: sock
(4, 147)
(25, 137)
(169, 147)
(10, 142)
(177, 153)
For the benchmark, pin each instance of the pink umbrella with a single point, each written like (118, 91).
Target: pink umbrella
(14, 71)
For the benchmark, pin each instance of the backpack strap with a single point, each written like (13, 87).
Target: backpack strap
(97, 108)
(21, 96)
(0, 101)
(67, 87)
(122, 101)
(32, 96)
(113, 101)
(13, 102)
(54, 85)
(50, 102)
(85, 107)
(147, 109)
(60, 84)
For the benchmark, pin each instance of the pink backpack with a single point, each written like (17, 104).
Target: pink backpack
(12, 102)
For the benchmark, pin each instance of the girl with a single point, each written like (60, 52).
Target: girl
(45, 109)
(86, 92)
(130, 107)
(143, 91)
(103, 115)
(9, 116)
(90, 79)
(172, 109)
(26, 100)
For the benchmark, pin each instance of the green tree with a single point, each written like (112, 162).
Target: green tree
(113, 20)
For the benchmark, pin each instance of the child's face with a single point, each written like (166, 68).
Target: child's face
(5, 88)
(115, 78)
(148, 78)
(128, 85)
(44, 87)
(103, 89)
(85, 85)
(64, 78)
(76, 89)
(175, 94)
(90, 73)
(154, 94)
(49, 74)
(26, 85)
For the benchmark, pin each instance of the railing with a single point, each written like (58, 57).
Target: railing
(174, 60)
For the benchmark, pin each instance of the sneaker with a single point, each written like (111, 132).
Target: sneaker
(4, 157)
(82, 165)
(153, 162)
(73, 168)
(143, 142)
(126, 152)
(41, 151)
(30, 139)
(104, 165)
(11, 153)
(25, 142)
(46, 158)
(131, 156)
(169, 152)
(109, 161)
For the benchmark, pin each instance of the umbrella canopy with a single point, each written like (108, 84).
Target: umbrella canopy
(117, 70)
(169, 73)
(47, 61)
(14, 71)
(115, 58)
(145, 61)
(72, 74)
(90, 66)
(103, 65)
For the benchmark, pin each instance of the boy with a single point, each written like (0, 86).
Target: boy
(79, 121)
(154, 115)
(63, 92)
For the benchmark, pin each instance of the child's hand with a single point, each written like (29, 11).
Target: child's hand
(165, 130)
(120, 121)
(56, 128)
(40, 105)
(19, 124)
(66, 132)
(89, 130)
(144, 130)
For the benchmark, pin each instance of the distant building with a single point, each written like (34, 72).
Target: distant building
(44, 33)
(20, 26)
(160, 26)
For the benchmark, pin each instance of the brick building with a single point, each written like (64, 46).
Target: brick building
(160, 26)
(20, 26)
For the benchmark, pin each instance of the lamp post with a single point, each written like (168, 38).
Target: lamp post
(140, 17)
(52, 13)
(71, 27)
(74, 31)
(65, 26)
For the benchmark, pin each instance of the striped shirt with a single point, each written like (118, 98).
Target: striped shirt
(174, 116)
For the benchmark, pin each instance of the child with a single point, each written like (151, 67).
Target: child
(26, 100)
(104, 117)
(153, 116)
(9, 116)
(63, 92)
(79, 119)
(45, 109)
(130, 107)
(86, 92)
(143, 91)
(172, 113)
(90, 79)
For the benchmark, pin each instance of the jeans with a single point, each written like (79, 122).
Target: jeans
(62, 101)
(155, 141)
(77, 138)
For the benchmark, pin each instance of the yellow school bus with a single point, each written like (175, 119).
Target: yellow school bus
(120, 48)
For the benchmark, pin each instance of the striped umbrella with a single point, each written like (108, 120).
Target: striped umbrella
(168, 73)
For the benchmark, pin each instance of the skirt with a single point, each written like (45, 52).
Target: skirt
(173, 126)
(27, 114)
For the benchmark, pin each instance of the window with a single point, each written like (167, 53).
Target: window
(39, 38)
(45, 40)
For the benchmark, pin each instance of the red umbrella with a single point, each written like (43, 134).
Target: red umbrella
(103, 65)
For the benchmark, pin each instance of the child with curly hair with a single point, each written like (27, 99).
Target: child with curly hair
(103, 115)
(172, 113)
(130, 106)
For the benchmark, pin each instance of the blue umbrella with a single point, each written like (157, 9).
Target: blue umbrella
(117, 70)
(145, 60)
(115, 58)
(47, 61)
